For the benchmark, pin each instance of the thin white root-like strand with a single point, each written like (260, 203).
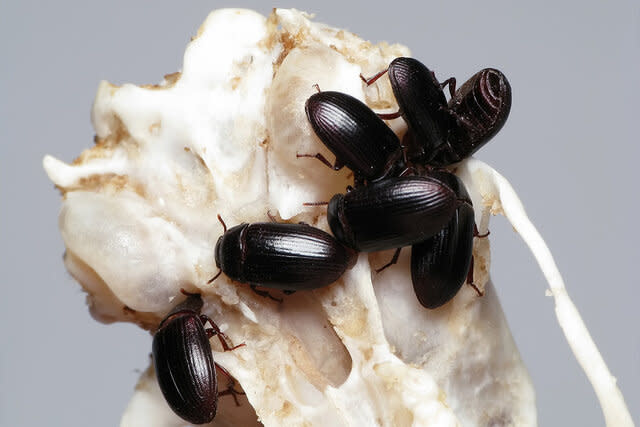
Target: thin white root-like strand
(497, 191)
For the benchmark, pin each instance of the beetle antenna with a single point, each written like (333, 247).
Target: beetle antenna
(315, 203)
(317, 87)
(222, 222)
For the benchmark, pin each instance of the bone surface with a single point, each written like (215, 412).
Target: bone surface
(220, 137)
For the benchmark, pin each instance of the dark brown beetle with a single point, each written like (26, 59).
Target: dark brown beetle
(391, 213)
(422, 104)
(184, 363)
(480, 107)
(442, 133)
(441, 264)
(355, 134)
(290, 257)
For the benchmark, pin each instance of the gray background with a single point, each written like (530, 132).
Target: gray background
(569, 148)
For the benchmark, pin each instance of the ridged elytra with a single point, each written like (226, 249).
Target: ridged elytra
(184, 365)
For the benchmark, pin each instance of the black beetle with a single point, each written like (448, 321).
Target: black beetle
(184, 363)
(359, 139)
(480, 108)
(422, 104)
(391, 213)
(442, 133)
(441, 264)
(290, 257)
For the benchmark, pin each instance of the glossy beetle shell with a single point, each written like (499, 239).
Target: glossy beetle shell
(440, 264)
(184, 363)
(481, 107)
(421, 101)
(357, 137)
(453, 182)
(392, 213)
(282, 256)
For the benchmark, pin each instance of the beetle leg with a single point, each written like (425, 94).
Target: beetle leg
(271, 217)
(451, 81)
(394, 260)
(477, 234)
(468, 202)
(230, 386)
(409, 170)
(390, 116)
(128, 310)
(372, 80)
(405, 157)
(214, 277)
(392, 162)
(475, 288)
(215, 330)
(187, 293)
(264, 294)
(413, 149)
(444, 148)
(231, 391)
(358, 181)
(470, 279)
(336, 166)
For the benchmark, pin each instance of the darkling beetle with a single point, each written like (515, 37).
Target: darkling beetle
(392, 213)
(442, 133)
(184, 363)
(441, 264)
(480, 107)
(422, 103)
(359, 139)
(290, 257)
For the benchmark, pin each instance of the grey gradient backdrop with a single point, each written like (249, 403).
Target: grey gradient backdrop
(570, 148)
